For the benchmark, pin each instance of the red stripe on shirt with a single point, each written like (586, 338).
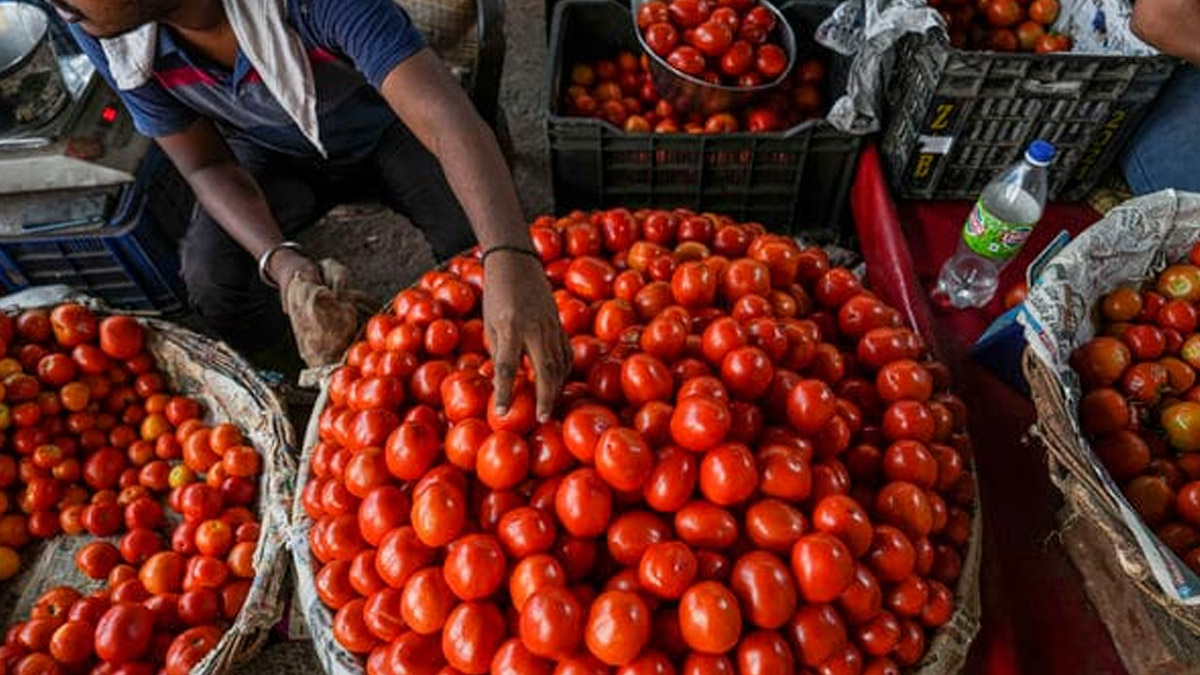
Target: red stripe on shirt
(319, 55)
(184, 76)
(315, 54)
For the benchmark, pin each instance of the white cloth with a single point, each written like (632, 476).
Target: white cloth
(263, 35)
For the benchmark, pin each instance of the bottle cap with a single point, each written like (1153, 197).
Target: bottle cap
(1040, 153)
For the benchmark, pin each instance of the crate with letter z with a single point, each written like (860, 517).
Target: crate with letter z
(957, 118)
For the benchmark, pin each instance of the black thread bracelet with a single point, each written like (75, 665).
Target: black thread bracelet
(508, 247)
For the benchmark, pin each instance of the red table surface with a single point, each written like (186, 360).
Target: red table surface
(1036, 616)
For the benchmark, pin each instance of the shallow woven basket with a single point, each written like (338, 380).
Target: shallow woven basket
(946, 655)
(230, 390)
(1153, 633)
(1176, 626)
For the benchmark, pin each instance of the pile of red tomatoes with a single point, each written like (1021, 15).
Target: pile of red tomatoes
(93, 444)
(621, 91)
(730, 42)
(754, 466)
(1003, 25)
(1141, 406)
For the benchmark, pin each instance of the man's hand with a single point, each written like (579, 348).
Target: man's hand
(322, 306)
(286, 264)
(519, 315)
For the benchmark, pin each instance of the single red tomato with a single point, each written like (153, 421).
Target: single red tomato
(72, 324)
(618, 626)
(817, 632)
(1044, 11)
(699, 423)
(1053, 42)
(190, 647)
(473, 634)
(770, 61)
(689, 13)
(552, 623)
(123, 633)
(737, 60)
(1004, 13)
(712, 38)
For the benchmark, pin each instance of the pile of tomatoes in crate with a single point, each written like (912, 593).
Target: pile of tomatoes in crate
(1141, 409)
(731, 42)
(92, 443)
(1003, 25)
(620, 91)
(754, 467)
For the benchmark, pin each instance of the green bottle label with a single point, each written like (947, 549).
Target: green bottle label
(992, 237)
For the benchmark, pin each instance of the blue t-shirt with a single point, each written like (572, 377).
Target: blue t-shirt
(352, 46)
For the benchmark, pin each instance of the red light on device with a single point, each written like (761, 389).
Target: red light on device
(109, 114)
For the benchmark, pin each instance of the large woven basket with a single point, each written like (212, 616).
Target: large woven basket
(946, 655)
(230, 390)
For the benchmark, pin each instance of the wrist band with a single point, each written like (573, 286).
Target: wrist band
(509, 247)
(265, 259)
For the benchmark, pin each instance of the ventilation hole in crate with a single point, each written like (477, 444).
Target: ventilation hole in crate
(676, 158)
(960, 87)
(780, 160)
(1031, 107)
(959, 175)
(1000, 156)
(1002, 86)
(1106, 88)
(666, 179)
(1014, 68)
(960, 70)
(84, 246)
(631, 158)
(101, 279)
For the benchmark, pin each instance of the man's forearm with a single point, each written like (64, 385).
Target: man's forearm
(476, 171)
(428, 100)
(232, 197)
(226, 191)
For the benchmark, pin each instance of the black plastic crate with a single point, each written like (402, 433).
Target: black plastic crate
(131, 263)
(792, 181)
(957, 118)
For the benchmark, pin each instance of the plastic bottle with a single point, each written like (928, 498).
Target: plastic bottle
(998, 226)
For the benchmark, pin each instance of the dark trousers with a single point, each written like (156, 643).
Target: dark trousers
(222, 278)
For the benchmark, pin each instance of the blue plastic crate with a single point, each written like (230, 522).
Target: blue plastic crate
(131, 263)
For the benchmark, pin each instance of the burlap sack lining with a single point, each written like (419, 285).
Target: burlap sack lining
(1086, 498)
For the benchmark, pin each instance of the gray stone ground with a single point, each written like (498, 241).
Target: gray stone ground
(386, 253)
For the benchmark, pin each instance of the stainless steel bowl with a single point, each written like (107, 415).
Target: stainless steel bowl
(32, 91)
(692, 94)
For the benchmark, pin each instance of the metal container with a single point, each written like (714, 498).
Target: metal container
(688, 93)
(32, 91)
